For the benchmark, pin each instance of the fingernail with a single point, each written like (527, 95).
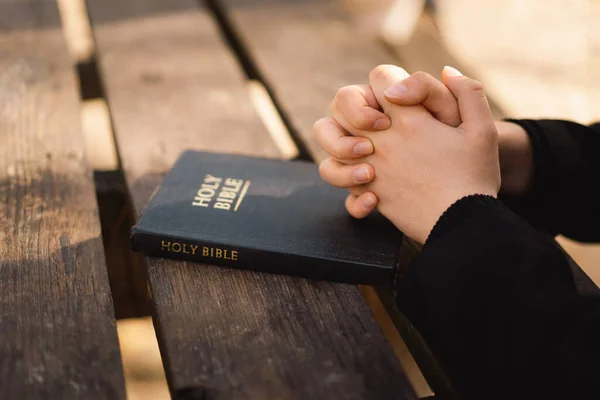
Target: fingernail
(368, 203)
(398, 90)
(451, 71)
(363, 149)
(361, 175)
(381, 123)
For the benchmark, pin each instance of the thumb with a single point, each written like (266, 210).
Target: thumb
(472, 103)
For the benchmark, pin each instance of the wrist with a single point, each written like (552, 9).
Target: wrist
(459, 211)
(516, 158)
(445, 203)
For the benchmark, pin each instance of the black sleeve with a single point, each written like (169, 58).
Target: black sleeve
(496, 302)
(565, 195)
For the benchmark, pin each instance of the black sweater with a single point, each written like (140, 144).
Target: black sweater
(495, 298)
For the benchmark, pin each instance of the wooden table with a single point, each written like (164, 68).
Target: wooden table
(175, 76)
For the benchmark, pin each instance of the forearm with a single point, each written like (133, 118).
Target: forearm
(516, 157)
(552, 174)
(495, 300)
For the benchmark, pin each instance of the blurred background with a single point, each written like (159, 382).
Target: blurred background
(536, 58)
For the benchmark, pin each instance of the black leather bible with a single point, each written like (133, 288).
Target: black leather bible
(265, 215)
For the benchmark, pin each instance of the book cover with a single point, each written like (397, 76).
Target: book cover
(264, 215)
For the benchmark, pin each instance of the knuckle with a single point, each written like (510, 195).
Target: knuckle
(421, 84)
(358, 214)
(333, 107)
(338, 151)
(352, 210)
(424, 79)
(476, 85)
(344, 93)
(348, 205)
(360, 119)
(353, 207)
(347, 101)
(319, 125)
(421, 77)
(378, 71)
(331, 173)
(324, 168)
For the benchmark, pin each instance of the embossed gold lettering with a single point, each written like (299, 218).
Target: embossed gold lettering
(201, 201)
(216, 252)
(234, 184)
(227, 194)
(206, 192)
(222, 206)
(212, 179)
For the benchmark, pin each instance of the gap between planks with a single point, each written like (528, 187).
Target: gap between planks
(142, 364)
(102, 155)
(99, 140)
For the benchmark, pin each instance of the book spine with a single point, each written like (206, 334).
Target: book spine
(206, 252)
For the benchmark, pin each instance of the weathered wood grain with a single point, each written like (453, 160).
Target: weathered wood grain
(57, 328)
(305, 51)
(172, 85)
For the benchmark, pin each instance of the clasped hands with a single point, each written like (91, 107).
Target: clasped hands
(411, 146)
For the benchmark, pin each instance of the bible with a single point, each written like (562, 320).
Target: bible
(265, 215)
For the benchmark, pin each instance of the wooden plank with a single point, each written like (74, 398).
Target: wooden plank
(305, 51)
(57, 323)
(224, 333)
